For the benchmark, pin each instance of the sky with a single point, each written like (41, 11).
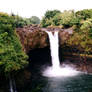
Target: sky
(28, 8)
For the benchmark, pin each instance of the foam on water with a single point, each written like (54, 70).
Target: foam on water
(60, 72)
(56, 70)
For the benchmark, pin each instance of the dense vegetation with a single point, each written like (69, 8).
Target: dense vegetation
(66, 18)
(80, 21)
(12, 57)
(21, 22)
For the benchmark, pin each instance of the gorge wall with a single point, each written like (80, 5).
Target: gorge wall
(34, 36)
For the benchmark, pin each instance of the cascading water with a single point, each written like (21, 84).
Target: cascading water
(54, 49)
(56, 70)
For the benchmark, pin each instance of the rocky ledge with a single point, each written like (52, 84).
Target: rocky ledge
(34, 36)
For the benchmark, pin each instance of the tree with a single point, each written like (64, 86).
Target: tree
(12, 57)
(50, 18)
(68, 18)
(19, 21)
(46, 22)
(87, 24)
(57, 19)
(84, 14)
(50, 14)
(34, 20)
(82, 39)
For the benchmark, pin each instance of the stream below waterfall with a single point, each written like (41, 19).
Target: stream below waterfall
(64, 81)
(39, 83)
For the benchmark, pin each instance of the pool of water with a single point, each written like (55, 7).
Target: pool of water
(78, 83)
(39, 83)
(81, 83)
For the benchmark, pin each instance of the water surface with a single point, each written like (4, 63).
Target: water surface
(78, 83)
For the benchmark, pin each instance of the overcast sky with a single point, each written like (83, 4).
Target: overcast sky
(28, 8)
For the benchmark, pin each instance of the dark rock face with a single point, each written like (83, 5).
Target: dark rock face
(34, 36)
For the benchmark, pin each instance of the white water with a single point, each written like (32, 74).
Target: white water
(56, 70)
(53, 38)
(11, 86)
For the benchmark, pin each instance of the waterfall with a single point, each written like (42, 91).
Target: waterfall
(54, 48)
(11, 85)
(56, 70)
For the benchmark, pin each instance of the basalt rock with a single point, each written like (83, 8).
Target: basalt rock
(34, 36)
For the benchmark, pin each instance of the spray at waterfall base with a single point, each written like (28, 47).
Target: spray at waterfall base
(56, 70)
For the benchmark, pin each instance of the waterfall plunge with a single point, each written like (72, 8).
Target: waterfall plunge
(56, 70)
(54, 49)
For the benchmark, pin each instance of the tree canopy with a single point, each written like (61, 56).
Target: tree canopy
(21, 22)
(81, 23)
(12, 57)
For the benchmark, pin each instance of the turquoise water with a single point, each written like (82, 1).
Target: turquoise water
(79, 83)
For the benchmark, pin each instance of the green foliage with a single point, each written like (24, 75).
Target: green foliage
(50, 18)
(56, 20)
(84, 14)
(12, 57)
(81, 40)
(90, 33)
(67, 18)
(34, 20)
(81, 21)
(7, 20)
(51, 14)
(21, 22)
(46, 22)
(87, 24)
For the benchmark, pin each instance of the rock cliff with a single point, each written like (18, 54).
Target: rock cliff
(34, 36)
